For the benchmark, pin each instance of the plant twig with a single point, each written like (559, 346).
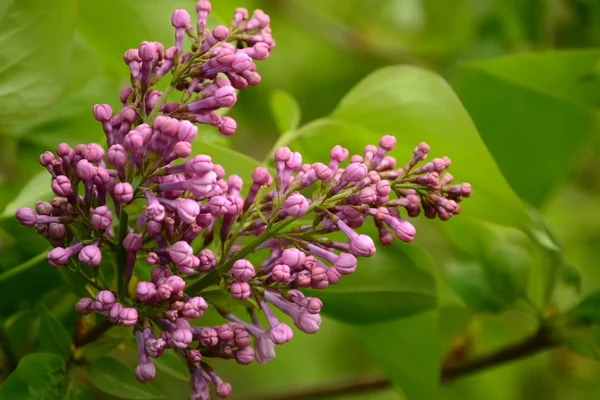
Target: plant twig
(93, 334)
(539, 341)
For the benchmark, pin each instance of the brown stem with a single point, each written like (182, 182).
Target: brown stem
(539, 341)
(93, 334)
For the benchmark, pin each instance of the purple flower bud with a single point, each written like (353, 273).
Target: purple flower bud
(145, 291)
(145, 372)
(155, 347)
(242, 270)
(123, 192)
(61, 185)
(85, 170)
(117, 155)
(280, 273)
(207, 261)
(84, 306)
(43, 208)
(362, 246)
(132, 242)
(228, 126)
(114, 312)
(105, 300)
(223, 390)
(405, 231)
(103, 112)
(164, 291)
(26, 216)
(294, 206)
(194, 356)
(176, 282)
(102, 218)
(91, 255)
(181, 337)
(281, 333)
(180, 19)
(261, 176)
(180, 253)
(128, 316)
(356, 172)
(293, 257)
(57, 231)
(208, 337)
(46, 158)
(159, 273)
(314, 305)
(148, 51)
(59, 256)
(188, 210)
(283, 154)
(240, 290)
(93, 152)
(244, 356)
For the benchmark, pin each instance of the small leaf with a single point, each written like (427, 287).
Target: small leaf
(38, 376)
(114, 378)
(53, 337)
(38, 188)
(286, 111)
(588, 311)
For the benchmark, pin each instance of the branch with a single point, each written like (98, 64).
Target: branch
(93, 334)
(539, 341)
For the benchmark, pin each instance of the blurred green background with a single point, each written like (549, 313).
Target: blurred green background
(527, 73)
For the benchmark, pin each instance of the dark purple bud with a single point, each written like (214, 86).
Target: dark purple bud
(194, 356)
(208, 337)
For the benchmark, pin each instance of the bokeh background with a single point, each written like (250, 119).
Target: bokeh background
(526, 71)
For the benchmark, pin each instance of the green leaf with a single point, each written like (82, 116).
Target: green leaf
(416, 105)
(172, 364)
(408, 350)
(37, 188)
(114, 378)
(32, 262)
(588, 311)
(491, 266)
(21, 331)
(35, 55)
(53, 337)
(286, 111)
(40, 376)
(534, 112)
(394, 283)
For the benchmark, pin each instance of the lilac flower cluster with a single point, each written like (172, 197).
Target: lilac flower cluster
(194, 229)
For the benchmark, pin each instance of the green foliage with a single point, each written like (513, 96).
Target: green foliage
(53, 337)
(42, 376)
(286, 111)
(534, 112)
(28, 34)
(115, 378)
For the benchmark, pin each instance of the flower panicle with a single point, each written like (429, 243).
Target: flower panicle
(193, 227)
